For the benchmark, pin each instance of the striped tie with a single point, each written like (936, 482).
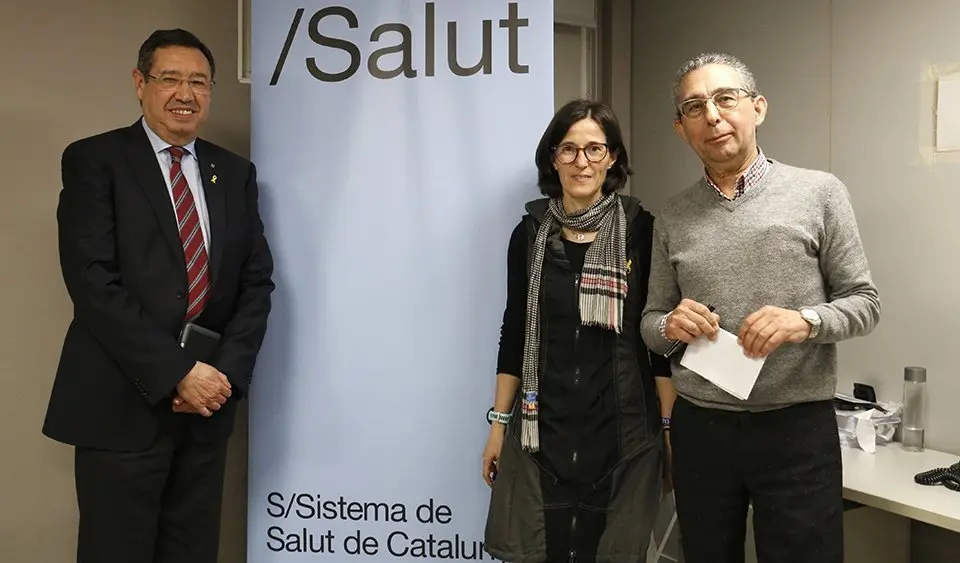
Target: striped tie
(194, 251)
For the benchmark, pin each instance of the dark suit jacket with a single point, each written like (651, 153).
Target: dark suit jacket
(123, 266)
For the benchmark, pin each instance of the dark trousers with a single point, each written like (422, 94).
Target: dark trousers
(786, 462)
(161, 505)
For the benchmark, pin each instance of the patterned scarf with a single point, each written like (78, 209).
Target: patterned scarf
(603, 287)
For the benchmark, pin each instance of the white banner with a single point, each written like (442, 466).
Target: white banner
(395, 144)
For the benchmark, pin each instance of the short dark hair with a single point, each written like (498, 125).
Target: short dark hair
(171, 38)
(566, 116)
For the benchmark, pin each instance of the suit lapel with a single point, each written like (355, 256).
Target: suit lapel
(147, 170)
(215, 194)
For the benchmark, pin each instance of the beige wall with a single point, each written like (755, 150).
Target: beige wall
(849, 91)
(788, 49)
(67, 66)
(616, 20)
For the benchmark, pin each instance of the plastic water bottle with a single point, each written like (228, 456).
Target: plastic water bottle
(914, 408)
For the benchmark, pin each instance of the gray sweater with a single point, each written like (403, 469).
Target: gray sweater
(790, 241)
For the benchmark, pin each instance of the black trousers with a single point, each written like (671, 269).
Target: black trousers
(161, 505)
(786, 462)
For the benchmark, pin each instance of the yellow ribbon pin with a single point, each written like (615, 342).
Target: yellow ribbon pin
(213, 180)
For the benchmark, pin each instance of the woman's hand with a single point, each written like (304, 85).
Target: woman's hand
(491, 453)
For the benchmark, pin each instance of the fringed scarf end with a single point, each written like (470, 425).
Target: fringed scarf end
(529, 428)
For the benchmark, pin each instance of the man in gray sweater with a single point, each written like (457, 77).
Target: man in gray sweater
(776, 251)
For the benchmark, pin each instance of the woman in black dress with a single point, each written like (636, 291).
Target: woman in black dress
(575, 456)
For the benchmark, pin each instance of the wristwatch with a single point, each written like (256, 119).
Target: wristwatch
(813, 318)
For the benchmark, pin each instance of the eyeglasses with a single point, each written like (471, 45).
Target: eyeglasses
(198, 85)
(724, 100)
(568, 152)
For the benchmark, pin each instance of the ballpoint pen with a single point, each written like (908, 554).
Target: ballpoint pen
(676, 343)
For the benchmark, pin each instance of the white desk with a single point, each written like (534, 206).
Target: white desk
(884, 480)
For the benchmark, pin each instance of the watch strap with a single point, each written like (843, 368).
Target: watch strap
(495, 416)
(813, 319)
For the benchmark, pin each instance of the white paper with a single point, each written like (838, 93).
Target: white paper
(948, 114)
(867, 429)
(723, 363)
(866, 432)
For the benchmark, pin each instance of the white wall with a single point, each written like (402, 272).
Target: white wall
(886, 54)
(848, 86)
(848, 90)
(882, 144)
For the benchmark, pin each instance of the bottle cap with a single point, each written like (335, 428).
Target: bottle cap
(915, 374)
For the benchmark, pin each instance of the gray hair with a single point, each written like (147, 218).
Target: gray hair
(747, 81)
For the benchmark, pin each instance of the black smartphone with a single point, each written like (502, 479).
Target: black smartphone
(200, 342)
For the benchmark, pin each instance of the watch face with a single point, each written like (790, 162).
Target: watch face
(813, 318)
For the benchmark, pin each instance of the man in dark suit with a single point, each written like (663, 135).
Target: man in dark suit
(157, 228)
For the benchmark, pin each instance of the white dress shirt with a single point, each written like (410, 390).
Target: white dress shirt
(191, 171)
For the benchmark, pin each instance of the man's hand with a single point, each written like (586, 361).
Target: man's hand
(690, 320)
(182, 407)
(205, 389)
(766, 329)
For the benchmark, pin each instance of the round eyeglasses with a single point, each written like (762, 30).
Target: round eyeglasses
(567, 153)
(724, 100)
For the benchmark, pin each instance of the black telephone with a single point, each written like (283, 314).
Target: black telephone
(949, 477)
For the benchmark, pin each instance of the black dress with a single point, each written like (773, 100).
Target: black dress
(578, 413)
